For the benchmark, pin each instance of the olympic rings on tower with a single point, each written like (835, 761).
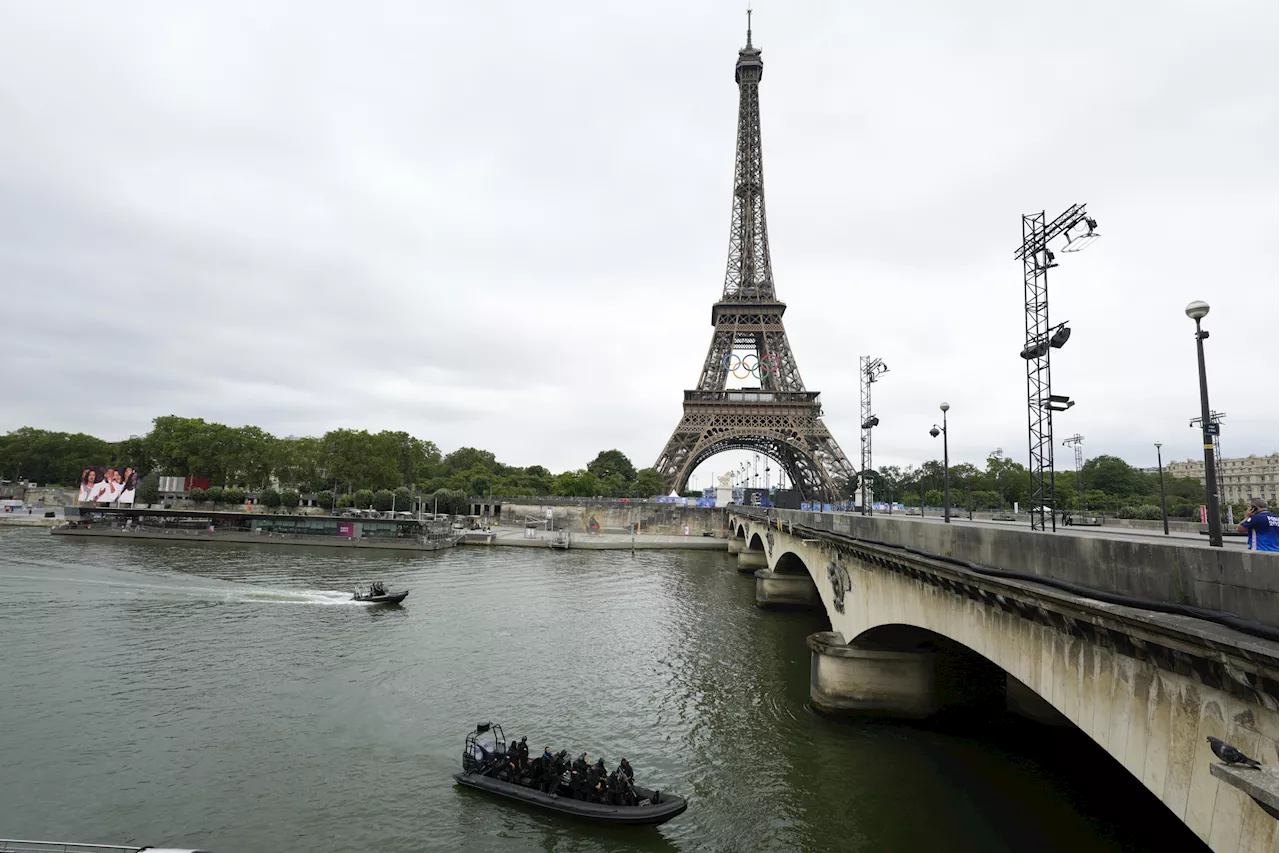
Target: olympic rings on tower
(750, 364)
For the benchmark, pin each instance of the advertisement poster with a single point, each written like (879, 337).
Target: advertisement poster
(107, 484)
(346, 528)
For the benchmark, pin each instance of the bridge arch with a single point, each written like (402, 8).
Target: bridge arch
(810, 468)
(1146, 692)
(790, 563)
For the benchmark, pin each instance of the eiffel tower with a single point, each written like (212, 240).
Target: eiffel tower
(777, 417)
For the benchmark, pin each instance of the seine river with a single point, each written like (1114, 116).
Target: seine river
(232, 697)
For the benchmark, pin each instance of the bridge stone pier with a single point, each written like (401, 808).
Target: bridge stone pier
(1146, 686)
(751, 553)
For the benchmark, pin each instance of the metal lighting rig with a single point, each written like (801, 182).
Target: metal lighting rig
(1214, 429)
(869, 370)
(1077, 441)
(1041, 339)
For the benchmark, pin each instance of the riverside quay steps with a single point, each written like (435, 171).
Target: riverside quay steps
(384, 534)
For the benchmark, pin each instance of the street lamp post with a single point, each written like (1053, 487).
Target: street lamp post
(1164, 510)
(1197, 311)
(946, 464)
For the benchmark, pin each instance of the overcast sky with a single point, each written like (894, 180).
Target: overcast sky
(503, 224)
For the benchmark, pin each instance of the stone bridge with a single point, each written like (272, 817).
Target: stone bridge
(1147, 686)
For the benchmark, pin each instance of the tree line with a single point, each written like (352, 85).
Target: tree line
(343, 467)
(1110, 485)
(388, 469)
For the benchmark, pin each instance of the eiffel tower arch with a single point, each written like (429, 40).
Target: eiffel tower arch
(778, 417)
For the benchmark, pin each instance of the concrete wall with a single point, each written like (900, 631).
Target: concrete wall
(1245, 583)
(667, 519)
(1152, 720)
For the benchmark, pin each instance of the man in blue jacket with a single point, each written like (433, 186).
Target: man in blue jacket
(1262, 526)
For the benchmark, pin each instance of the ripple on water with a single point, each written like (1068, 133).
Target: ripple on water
(235, 698)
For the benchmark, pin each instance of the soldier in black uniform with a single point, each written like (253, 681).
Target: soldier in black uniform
(557, 771)
(523, 750)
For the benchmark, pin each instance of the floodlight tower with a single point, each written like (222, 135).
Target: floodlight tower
(1041, 338)
(869, 370)
(1077, 441)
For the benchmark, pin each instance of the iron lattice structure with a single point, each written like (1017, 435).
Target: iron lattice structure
(779, 418)
(1037, 260)
(1215, 419)
(869, 370)
(1077, 442)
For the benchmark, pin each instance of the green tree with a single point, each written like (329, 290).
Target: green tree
(580, 483)
(344, 501)
(234, 495)
(325, 499)
(214, 494)
(198, 495)
(361, 459)
(269, 498)
(609, 462)
(448, 501)
(42, 456)
(149, 489)
(403, 501)
(466, 458)
(290, 499)
(1114, 476)
(362, 499)
(648, 483)
(382, 500)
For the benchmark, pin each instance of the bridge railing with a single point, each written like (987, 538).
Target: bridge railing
(1241, 583)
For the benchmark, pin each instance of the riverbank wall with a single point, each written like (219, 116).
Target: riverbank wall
(612, 517)
(580, 541)
(205, 536)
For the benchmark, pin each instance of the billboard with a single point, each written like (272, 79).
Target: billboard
(182, 485)
(108, 484)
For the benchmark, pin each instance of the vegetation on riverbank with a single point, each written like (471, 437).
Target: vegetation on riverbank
(1111, 486)
(347, 467)
(361, 468)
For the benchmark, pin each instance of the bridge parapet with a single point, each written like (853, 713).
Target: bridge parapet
(1243, 583)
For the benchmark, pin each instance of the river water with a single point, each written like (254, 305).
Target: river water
(232, 697)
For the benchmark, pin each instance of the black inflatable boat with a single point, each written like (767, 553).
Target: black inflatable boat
(652, 808)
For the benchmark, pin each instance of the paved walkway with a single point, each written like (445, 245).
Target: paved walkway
(1123, 533)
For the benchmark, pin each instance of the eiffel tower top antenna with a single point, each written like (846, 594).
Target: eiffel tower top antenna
(748, 25)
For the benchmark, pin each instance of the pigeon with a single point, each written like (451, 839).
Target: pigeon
(1229, 753)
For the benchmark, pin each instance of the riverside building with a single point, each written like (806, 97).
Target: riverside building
(1249, 477)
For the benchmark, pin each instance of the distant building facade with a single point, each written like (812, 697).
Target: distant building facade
(1250, 477)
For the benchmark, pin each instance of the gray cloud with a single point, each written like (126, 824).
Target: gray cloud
(502, 225)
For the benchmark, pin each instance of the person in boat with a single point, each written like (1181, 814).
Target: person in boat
(540, 769)
(626, 793)
(524, 753)
(507, 764)
(557, 771)
(578, 776)
(617, 783)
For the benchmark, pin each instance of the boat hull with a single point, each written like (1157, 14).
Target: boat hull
(650, 815)
(389, 598)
